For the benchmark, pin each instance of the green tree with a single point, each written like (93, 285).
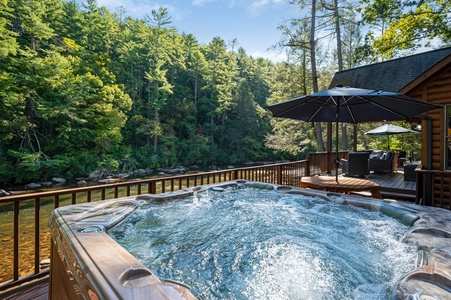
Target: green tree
(406, 25)
(160, 50)
(289, 138)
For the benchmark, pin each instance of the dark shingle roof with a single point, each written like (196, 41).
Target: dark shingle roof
(391, 75)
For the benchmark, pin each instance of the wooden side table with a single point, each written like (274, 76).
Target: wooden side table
(345, 185)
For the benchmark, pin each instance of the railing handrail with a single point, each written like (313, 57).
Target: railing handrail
(33, 195)
(433, 171)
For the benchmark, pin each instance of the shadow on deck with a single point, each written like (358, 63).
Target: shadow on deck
(394, 186)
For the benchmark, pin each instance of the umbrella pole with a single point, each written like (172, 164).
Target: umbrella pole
(336, 141)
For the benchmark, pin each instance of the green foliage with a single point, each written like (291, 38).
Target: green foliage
(84, 90)
(406, 25)
(32, 165)
(81, 164)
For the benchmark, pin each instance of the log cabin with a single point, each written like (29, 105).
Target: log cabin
(425, 76)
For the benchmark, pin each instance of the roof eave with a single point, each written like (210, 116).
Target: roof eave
(426, 75)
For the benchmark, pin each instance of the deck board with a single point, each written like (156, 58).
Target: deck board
(33, 291)
(394, 184)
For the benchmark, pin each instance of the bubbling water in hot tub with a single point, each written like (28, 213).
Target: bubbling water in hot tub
(252, 243)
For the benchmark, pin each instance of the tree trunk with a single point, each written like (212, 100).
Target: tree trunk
(344, 137)
(195, 98)
(148, 115)
(157, 122)
(338, 33)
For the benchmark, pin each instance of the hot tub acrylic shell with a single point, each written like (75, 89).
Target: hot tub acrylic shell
(87, 263)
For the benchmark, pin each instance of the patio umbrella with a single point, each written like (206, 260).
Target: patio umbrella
(350, 105)
(389, 129)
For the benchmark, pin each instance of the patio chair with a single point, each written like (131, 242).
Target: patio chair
(388, 163)
(402, 158)
(356, 164)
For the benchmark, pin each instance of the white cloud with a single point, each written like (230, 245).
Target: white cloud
(257, 6)
(201, 2)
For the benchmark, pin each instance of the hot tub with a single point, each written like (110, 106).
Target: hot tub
(87, 261)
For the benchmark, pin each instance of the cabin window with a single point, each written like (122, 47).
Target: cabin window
(448, 138)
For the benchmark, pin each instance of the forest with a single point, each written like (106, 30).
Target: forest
(84, 90)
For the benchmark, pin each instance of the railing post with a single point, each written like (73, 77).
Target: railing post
(419, 193)
(57, 201)
(16, 240)
(307, 167)
(279, 174)
(428, 197)
(37, 231)
(153, 187)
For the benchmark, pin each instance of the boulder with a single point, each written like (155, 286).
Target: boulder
(45, 263)
(107, 180)
(4, 193)
(32, 186)
(58, 180)
(122, 175)
(47, 183)
(81, 183)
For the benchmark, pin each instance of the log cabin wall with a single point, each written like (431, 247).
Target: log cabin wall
(435, 89)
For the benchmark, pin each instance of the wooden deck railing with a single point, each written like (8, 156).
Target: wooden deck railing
(25, 237)
(434, 188)
(322, 162)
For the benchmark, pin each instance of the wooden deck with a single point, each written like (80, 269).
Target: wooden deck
(38, 290)
(394, 186)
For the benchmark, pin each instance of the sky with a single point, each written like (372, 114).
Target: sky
(252, 22)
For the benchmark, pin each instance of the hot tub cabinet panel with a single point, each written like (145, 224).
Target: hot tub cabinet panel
(87, 264)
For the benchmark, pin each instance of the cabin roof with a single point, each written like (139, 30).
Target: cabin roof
(391, 75)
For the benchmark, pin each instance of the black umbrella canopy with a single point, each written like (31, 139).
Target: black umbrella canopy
(350, 105)
(353, 105)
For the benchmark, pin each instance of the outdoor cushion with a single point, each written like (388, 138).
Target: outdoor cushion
(376, 154)
(389, 155)
(384, 165)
